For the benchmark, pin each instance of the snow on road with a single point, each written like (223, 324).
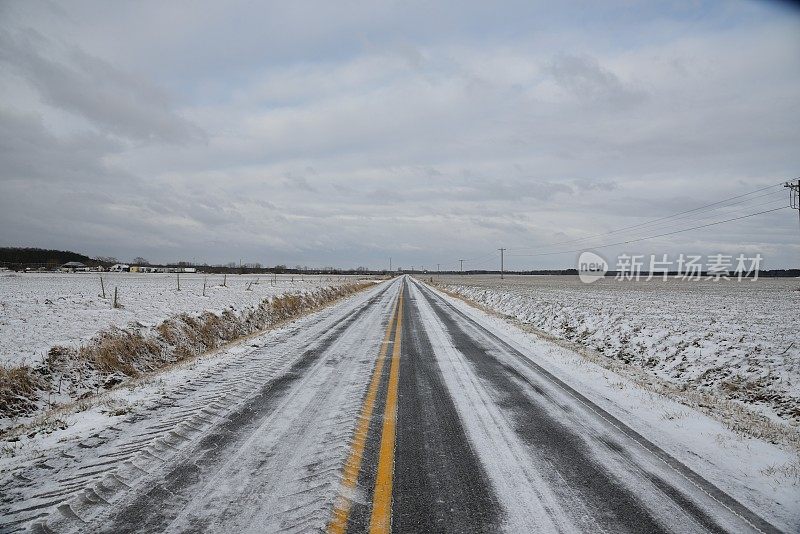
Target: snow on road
(502, 453)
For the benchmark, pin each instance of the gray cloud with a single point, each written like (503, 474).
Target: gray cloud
(297, 181)
(77, 82)
(583, 76)
(587, 184)
(28, 151)
(342, 136)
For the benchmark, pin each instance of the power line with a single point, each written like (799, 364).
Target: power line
(702, 218)
(487, 258)
(691, 218)
(653, 236)
(652, 221)
(698, 216)
(690, 215)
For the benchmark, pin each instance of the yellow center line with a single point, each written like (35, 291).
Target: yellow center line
(381, 520)
(341, 510)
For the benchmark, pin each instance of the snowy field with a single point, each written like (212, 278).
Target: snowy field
(737, 339)
(38, 311)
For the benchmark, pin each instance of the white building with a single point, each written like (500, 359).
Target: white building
(74, 266)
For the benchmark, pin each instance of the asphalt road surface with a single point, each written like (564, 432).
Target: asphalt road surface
(393, 411)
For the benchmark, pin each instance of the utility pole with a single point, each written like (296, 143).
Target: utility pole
(437, 271)
(390, 264)
(502, 250)
(462, 266)
(794, 195)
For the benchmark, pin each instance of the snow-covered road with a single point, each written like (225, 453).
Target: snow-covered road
(393, 410)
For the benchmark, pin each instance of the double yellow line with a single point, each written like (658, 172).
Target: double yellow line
(380, 521)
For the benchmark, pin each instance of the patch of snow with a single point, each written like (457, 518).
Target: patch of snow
(39, 310)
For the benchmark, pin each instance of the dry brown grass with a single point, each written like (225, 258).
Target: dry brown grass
(119, 350)
(18, 389)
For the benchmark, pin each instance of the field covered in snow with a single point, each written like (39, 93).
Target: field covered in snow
(62, 340)
(40, 310)
(740, 340)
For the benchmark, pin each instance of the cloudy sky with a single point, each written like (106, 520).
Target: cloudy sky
(343, 133)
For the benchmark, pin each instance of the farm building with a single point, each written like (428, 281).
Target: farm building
(74, 266)
(119, 268)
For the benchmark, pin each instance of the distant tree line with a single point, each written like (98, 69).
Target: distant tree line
(22, 257)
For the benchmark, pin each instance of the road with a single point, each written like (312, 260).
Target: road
(393, 411)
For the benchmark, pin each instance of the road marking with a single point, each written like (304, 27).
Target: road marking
(341, 510)
(381, 520)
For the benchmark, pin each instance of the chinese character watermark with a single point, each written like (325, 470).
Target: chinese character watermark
(635, 267)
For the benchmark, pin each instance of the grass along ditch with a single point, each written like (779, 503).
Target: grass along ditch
(119, 354)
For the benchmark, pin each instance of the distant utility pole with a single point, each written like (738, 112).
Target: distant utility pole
(794, 195)
(390, 264)
(502, 250)
(437, 271)
(462, 266)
